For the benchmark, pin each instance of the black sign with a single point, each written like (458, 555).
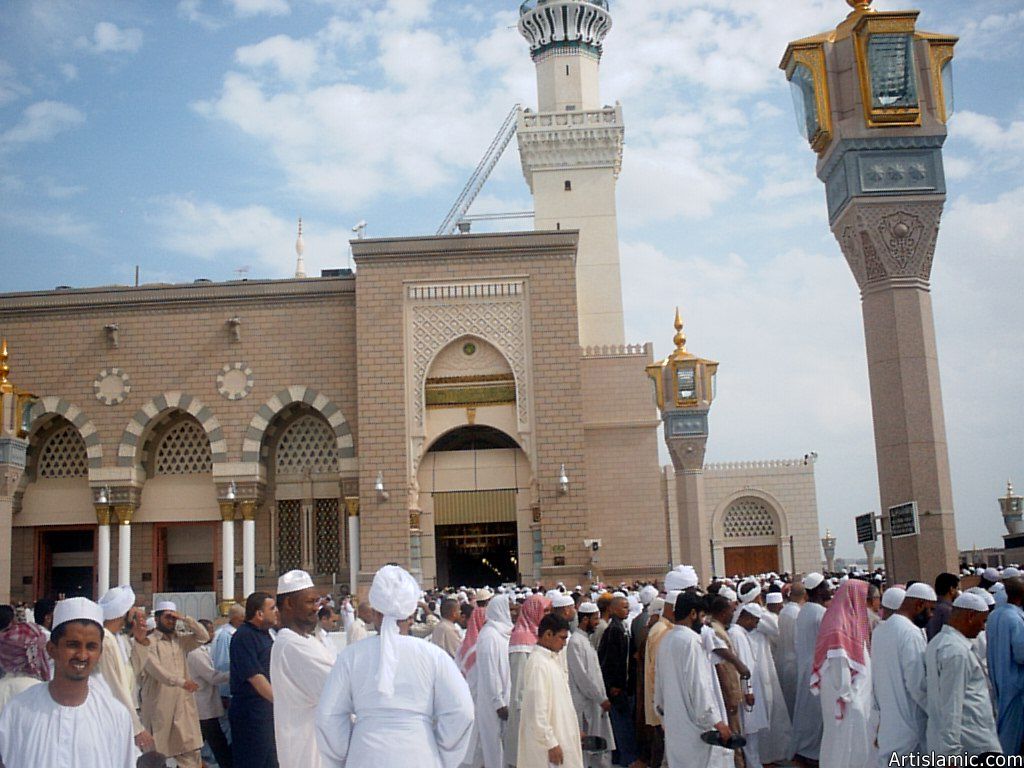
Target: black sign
(865, 527)
(903, 520)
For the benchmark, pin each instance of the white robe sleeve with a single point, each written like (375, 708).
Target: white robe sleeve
(453, 712)
(492, 685)
(948, 706)
(592, 689)
(334, 716)
(916, 675)
(306, 669)
(702, 709)
(537, 703)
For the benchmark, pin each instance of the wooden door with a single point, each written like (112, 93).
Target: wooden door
(744, 560)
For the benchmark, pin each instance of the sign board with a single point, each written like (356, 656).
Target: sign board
(903, 520)
(865, 527)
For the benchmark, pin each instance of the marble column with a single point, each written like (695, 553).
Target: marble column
(227, 550)
(247, 509)
(102, 549)
(124, 514)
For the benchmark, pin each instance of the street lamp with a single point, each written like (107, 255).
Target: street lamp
(828, 544)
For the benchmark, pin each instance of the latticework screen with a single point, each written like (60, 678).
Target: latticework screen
(289, 535)
(64, 455)
(184, 450)
(307, 444)
(328, 541)
(746, 518)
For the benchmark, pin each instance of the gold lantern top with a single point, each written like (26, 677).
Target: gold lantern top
(689, 380)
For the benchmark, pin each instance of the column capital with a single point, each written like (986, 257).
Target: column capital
(352, 506)
(124, 513)
(227, 511)
(247, 509)
(103, 514)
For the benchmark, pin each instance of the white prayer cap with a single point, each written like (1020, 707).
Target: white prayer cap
(77, 609)
(813, 580)
(482, 594)
(750, 595)
(753, 609)
(921, 591)
(618, 593)
(588, 607)
(116, 602)
(991, 574)
(670, 598)
(165, 605)
(971, 602)
(997, 587)
(773, 598)
(293, 581)
(989, 600)
(394, 593)
(648, 593)
(1010, 573)
(681, 577)
(578, 588)
(893, 597)
(562, 601)
(657, 606)
(728, 594)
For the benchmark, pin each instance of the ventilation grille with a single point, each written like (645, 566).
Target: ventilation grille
(747, 518)
(184, 450)
(289, 535)
(64, 455)
(307, 445)
(328, 542)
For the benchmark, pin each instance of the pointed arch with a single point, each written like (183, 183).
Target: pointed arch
(48, 407)
(314, 399)
(127, 450)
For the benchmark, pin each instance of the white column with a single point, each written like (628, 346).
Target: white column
(227, 560)
(248, 556)
(124, 552)
(352, 508)
(102, 558)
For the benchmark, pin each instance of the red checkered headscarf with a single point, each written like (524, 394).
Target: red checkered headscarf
(524, 636)
(23, 651)
(465, 657)
(845, 633)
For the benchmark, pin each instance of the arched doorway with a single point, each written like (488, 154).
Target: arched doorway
(471, 478)
(751, 537)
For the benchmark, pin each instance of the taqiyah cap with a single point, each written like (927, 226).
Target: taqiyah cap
(648, 593)
(77, 609)
(921, 591)
(483, 594)
(971, 602)
(773, 598)
(892, 598)
(813, 580)
(588, 607)
(116, 602)
(991, 574)
(293, 581)
(988, 598)
(165, 605)
(728, 594)
(753, 609)
(562, 601)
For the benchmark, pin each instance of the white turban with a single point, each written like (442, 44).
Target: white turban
(395, 594)
(750, 595)
(681, 577)
(116, 602)
(648, 593)
(728, 594)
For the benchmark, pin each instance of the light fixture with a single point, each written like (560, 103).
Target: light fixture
(104, 496)
(378, 486)
(563, 481)
(232, 492)
(235, 327)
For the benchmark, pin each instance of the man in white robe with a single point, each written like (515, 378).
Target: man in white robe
(786, 658)
(898, 674)
(300, 662)
(73, 721)
(683, 688)
(520, 646)
(491, 686)
(775, 742)
(359, 629)
(549, 733)
(807, 725)
(115, 667)
(755, 713)
(393, 696)
(586, 684)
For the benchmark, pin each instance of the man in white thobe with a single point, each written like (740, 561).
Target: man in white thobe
(115, 666)
(300, 662)
(491, 684)
(683, 688)
(549, 733)
(755, 715)
(898, 674)
(807, 724)
(960, 717)
(359, 629)
(586, 684)
(73, 721)
(393, 696)
(786, 658)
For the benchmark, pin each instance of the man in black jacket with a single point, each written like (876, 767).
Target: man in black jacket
(613, 655)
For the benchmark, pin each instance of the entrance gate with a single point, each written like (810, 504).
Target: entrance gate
(476, 538)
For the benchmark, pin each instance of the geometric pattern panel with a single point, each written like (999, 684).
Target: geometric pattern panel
(257, 430)
(327, 555)
(58, 406)
(184, 450)
(128, 449)
(307, 445)
(289, 535)
(64, 455)
(748, 517)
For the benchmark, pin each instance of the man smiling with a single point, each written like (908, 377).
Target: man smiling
(70, 722)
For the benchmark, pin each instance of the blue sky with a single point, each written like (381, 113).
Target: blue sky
(187, 137)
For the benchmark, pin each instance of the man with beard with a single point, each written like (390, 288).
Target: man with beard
(72, 721)
(807, 722)
(252, 710)
(587, 685)
(300, 662)
(168, 707)
(898, 675)
(613, 653)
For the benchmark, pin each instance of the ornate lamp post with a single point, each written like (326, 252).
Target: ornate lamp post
(869, 550)
(1012, 507)
(684, 387)
(828, 545)
(873, 97)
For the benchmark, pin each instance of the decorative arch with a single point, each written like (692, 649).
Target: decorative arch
(773, 505)
(48, 407)
(316, 400)
(127, 450)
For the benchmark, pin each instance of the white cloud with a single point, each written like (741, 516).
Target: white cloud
(292, 60)
(987, 134)
(191, 10)
(42, 121)
(69, 71)
(249, 8)
(107, 37)
(11, 88)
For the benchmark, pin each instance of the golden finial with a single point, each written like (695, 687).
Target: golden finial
(1009, 484)
(680, 339)
(5, 367)
(859, 5)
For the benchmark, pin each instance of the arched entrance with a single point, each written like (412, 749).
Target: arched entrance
(748, 538)
(471, 478)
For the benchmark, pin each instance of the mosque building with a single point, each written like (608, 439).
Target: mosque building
(466, 405)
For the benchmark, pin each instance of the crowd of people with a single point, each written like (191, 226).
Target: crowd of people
(831, 670)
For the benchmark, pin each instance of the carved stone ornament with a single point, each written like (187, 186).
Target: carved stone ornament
(886, 241)
(235, 381)
(111, 386)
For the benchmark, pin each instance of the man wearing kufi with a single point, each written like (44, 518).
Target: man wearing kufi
(587, 685)
(786, 658)
(72, 721)
(168, 707)
(300, 662)
(521, 643)
(410, 705)
(490, 682)
(898, 674)
(807, 724)
(115, 665)
(774, 742)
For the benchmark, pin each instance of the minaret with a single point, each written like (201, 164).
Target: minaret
(300, 248)
(873, 97)
(571, 151)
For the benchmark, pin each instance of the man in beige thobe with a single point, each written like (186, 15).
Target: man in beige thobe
(168, 706)
(446, 635)
(115, 665)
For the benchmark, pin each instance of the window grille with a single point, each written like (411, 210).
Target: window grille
(307, 444)
(746, 518)
(327, 540)
(184, 450)
(289, 535)
(64, 455)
